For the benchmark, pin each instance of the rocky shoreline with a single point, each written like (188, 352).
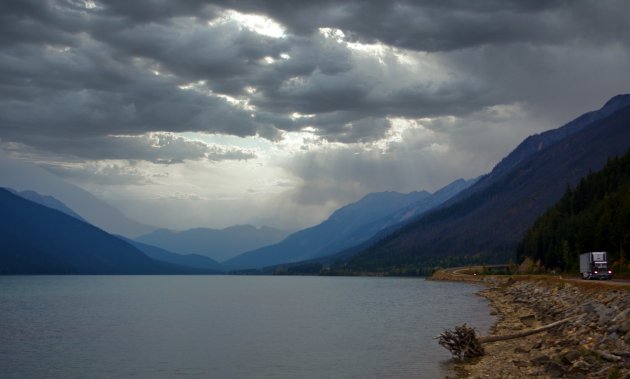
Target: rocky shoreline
(596, 344)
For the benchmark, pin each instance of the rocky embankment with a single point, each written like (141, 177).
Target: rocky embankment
(595, 344)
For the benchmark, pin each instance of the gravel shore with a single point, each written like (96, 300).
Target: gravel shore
(596, 344)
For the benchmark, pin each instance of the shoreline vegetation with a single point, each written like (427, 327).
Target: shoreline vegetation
(595, 345)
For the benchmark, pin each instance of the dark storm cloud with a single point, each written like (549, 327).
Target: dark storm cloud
(62, 85)
(195, 51)
(33, 21)
(156, 10)
(74, 72)
(366, 129)
(101, 174)
(156, 148)
(438, 25)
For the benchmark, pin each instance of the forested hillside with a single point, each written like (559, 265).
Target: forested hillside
(486, 222)
(595, 216)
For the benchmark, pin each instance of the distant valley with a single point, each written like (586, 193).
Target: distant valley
(218, 244)
(49, 226)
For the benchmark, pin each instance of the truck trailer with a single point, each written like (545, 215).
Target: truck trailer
(594, 265)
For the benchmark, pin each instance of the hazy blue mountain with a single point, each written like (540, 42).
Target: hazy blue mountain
(35, 239)
(185, 260)
(418, 208)
(47, 201)
(348, 226)
(486, 221)
(23, 176)
(395, 220)
(218, 244)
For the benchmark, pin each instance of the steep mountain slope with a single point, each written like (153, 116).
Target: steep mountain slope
(35, 239)
(348, 226)
(186, 260)
(595, 216)
(23, 176)
(217, 244)
(535, 143)
(486, 221)
(418, 208)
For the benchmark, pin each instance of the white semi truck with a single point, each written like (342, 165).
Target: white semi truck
(594, 265)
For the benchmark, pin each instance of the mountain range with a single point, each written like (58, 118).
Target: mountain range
(348, 226)
(36, 239)
(485, 222)
(24, 176)
(475, 221)
(186, 260)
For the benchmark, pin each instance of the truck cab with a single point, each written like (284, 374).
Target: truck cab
(594, 265)
(601, 271)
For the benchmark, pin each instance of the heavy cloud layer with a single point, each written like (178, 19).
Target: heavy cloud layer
(421, 92)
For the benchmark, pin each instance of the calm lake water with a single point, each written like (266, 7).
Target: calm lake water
(229, 326)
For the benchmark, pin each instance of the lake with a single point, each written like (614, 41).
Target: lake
(230, 326)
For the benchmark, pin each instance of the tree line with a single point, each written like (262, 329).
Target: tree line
(593, 216)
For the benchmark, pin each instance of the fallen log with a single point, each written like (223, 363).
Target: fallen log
(463, 342)
(524, 333)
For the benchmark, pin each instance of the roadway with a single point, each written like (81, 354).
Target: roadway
(465, 273)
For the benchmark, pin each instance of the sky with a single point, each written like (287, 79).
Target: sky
(214, 113)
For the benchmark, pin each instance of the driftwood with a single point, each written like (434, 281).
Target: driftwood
(463, 342)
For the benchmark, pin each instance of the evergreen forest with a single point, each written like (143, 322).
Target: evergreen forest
(594, 216)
